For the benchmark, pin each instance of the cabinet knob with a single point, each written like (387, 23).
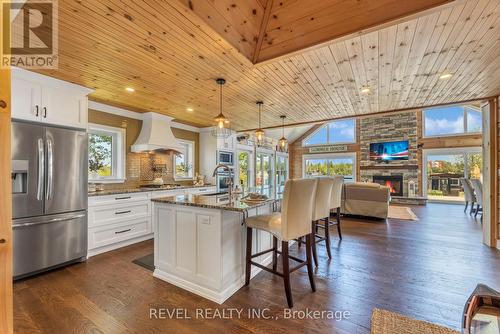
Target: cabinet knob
(2, 241)
(3, 104)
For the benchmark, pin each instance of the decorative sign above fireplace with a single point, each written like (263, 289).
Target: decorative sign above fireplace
(328, 149)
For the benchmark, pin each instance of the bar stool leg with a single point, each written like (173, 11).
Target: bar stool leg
(338, 223)
(249, 256)
(275, 253)
(286, 273)
(309, 261)
(327, 237)
(313, 246)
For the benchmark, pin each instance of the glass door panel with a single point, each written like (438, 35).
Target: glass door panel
(244, 171)
(443, 176)
(264, 174)
(281, 174)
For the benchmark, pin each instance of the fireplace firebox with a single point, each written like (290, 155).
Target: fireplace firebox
(394, 182)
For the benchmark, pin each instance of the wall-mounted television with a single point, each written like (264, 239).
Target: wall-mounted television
(389, 151)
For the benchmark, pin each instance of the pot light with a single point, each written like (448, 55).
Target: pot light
(365, 90)
(130, 89)
(189, 109)
(445, 76)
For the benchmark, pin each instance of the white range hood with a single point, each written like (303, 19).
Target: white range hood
(156, 134)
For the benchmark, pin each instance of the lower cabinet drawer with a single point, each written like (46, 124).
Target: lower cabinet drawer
(109, 214)
(110, 234)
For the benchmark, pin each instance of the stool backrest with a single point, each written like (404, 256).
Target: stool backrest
(323, 198)
(297, 207)
(468, 190)
(478, 189)
(338, 184)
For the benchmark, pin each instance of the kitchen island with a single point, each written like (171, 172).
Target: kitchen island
(199, 242)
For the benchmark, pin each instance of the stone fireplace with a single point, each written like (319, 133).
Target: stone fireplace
(394, 182)
(392, 127)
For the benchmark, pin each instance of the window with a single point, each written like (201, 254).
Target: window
(184, 162)
(330, 164)
(336, 132)
(106, 154)
(454, 120)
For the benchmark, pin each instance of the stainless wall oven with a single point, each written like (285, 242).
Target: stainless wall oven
(49, 197)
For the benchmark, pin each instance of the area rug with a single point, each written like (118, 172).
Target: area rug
(386, 322)
(401, 212)
(147, 262)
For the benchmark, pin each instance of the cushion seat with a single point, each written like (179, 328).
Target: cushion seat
(269, 223)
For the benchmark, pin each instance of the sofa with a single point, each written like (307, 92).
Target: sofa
(366, 199)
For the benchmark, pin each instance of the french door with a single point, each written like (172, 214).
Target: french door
(445, 167)
(281, 173)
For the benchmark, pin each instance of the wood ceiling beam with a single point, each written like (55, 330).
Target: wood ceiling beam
(378, 113)
(298, 25)
(263, 28)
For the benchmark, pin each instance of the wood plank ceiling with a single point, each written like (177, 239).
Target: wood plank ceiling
(171, 57)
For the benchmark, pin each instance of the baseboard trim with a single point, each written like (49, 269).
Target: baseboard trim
(216, 296)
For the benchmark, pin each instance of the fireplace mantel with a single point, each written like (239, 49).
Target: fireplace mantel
(391, 166)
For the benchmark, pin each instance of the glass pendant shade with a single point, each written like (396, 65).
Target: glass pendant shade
(220, 120)
(282, 141)
(259, 133)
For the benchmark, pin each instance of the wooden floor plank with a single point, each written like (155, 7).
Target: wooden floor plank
(423, 269)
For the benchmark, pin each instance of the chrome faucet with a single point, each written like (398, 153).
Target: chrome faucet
(230, 182)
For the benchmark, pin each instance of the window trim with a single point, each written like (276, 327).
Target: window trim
(343, 155)
(118, 162)
(328, 143)
(464, 133)
(191, 160)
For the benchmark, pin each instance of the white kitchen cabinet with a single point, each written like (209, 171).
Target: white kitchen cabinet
(40, 98)
(116, 221)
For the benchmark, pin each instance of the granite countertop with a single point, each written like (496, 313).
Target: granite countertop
(212, 202)
(138, 190)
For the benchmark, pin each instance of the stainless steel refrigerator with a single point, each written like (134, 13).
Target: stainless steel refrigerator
(49, 197)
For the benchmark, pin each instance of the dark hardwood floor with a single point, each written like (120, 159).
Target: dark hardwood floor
(423, 269)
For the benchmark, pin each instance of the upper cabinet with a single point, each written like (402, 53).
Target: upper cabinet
(39, 98)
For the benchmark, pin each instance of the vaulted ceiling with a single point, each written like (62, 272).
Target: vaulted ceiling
(266, 29)
(171, 55)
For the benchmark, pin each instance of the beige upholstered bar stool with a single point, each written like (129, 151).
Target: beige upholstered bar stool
(293, 222)
(322, 208)
(336, 203)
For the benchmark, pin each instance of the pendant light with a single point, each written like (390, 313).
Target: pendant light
(259, 133)
(220, 131)
(282, 141)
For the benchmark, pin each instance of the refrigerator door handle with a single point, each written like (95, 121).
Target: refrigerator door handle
(41, 169)
(50, 167)
(53, 220)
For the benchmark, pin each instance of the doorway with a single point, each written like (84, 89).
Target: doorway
(443, 169)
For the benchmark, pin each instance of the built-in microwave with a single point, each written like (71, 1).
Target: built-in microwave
(225, 158)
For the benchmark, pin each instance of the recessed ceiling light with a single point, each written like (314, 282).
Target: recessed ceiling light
(189, 109)
(445, 76)
(365, 90)
(130, 89)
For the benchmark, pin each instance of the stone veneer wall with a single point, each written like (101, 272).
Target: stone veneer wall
(394, 127)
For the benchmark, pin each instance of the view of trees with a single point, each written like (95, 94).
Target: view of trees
(328, 167)
(456, 165)
(100, 154)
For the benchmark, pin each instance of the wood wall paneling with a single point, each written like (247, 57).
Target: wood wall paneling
(6, 303)
(171, 56)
